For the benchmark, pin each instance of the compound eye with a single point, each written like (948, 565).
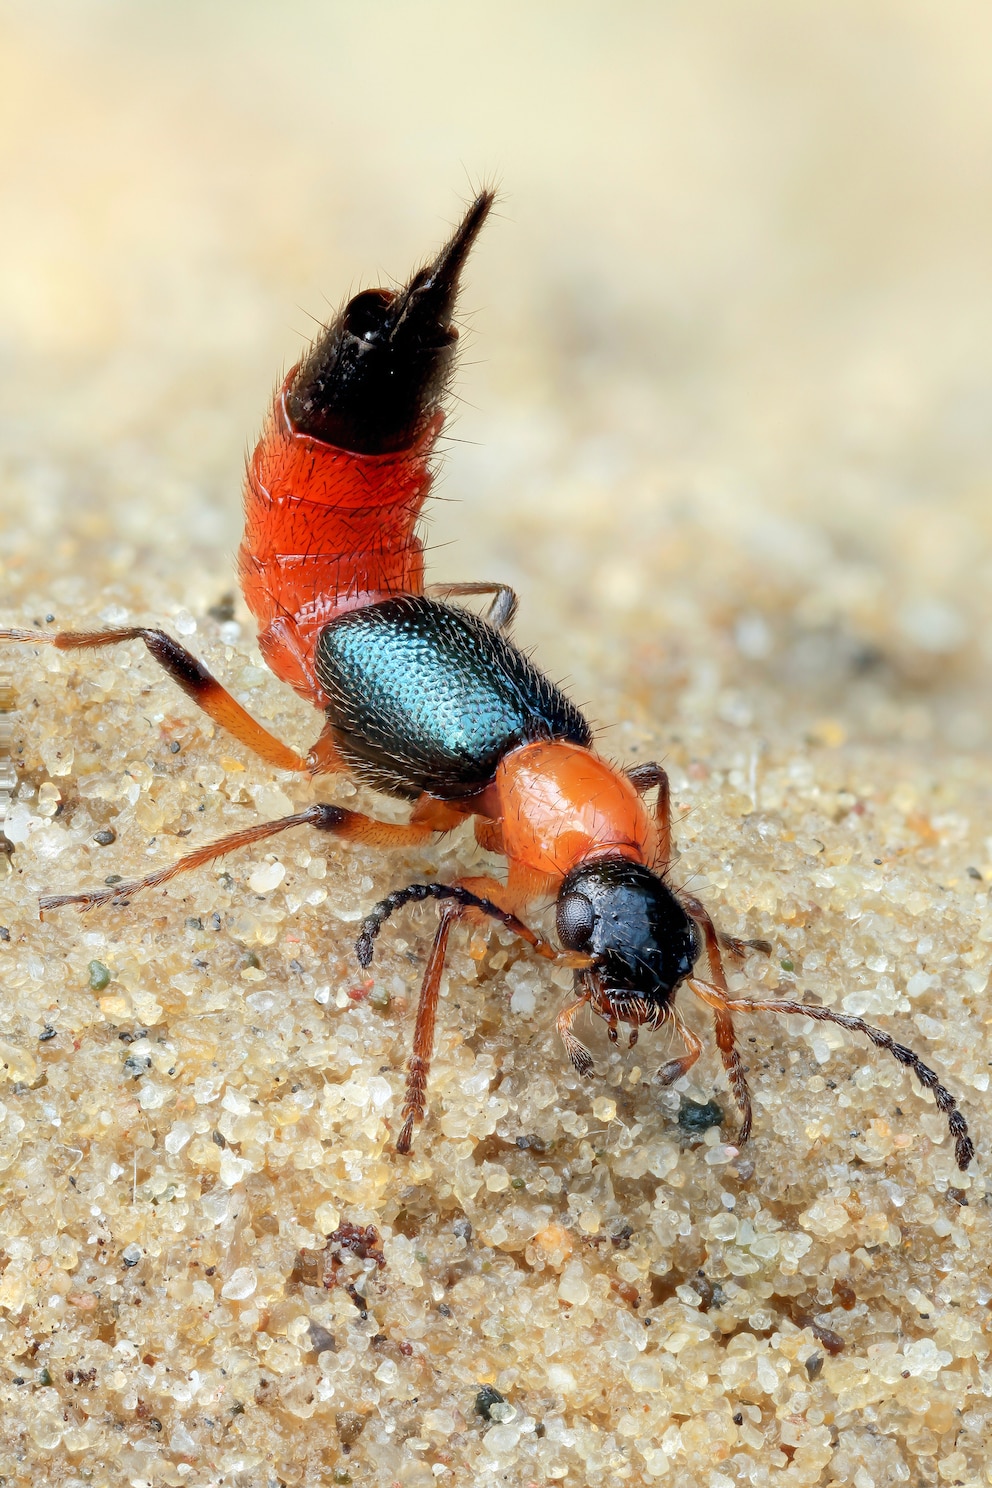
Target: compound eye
(366, 315)
(574, 920)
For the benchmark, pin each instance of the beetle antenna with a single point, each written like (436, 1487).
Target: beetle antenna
(414, 894)
(964, 1148)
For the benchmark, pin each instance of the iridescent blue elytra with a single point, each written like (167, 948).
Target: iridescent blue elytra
(427, 697)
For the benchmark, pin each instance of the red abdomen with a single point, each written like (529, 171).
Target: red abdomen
(326, 530)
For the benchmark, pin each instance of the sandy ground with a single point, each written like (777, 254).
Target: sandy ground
(724, 419)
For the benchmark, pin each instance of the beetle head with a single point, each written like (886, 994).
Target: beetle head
(641, 941)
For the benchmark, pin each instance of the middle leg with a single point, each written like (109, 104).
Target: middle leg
(502, 608)
(350, 826)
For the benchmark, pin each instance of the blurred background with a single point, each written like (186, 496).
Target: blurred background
(724, 411)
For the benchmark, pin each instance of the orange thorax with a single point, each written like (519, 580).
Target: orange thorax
(561, 805)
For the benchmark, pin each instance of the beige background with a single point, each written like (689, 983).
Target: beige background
(724, 418)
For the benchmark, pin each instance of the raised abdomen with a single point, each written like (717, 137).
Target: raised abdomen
(326, 530)
(336, 483)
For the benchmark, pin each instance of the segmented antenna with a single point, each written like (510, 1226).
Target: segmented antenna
(964, 1148)
(415, 894)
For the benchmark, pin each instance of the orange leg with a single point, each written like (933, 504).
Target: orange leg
(469, 896)
(419, 1067)
(964, 1149)
(439, 816)
(351, 826)
(700, 917)
(198, 684)
(475, 897)
(500, 612)
(676, 1068)
(726, 1038)
(489, 834)
(642, 778)
(582, 1060)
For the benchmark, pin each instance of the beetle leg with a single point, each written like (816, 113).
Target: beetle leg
(350, 825)
(439, 816)
(577, 1052)
(461, 899)
(500, 612)
(713, 939)
(642, 778)
(726, 1038)
(194, 679)
(676, 1068)
(419, 1067)
(700, 916)
(489, 834)
(737, 949)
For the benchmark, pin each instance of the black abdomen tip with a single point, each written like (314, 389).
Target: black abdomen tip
(377, 374)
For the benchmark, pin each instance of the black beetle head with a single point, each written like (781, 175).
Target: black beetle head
(626, 918)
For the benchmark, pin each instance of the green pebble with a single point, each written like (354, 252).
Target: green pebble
(99, 976)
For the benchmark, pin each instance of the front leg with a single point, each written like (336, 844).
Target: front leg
(700, 917)
(715, 997)
(581, 1059)
(419, 1066)
(676, 1068)
(468, 897)
(471, 896)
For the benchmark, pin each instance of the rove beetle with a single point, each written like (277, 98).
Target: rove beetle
(426, 701)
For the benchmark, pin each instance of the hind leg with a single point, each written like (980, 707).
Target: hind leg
(196, 682)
